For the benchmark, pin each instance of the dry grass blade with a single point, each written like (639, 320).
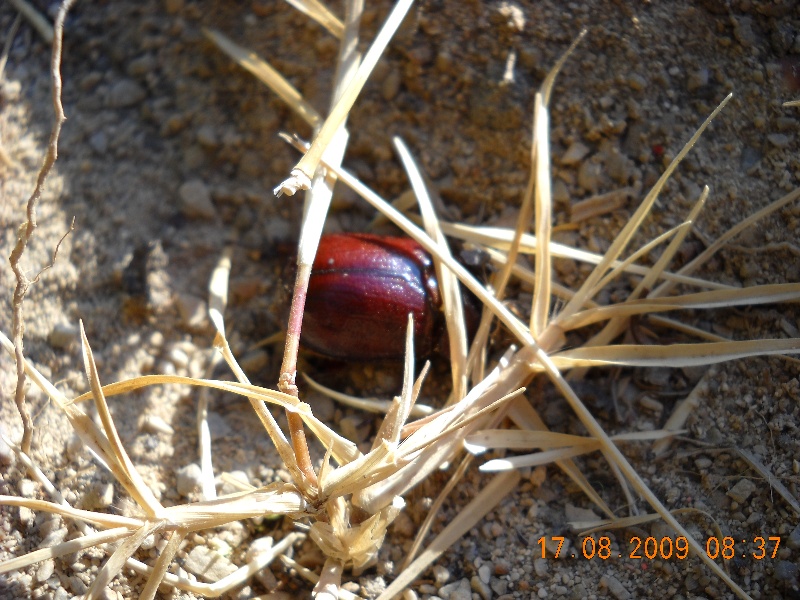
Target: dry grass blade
(525, 417)
(667, 286)
(674, 355)
(501, 239)
(601, 204)
(36, 19)
(321, 14)
(772, 481)
(76, 545)
(374, 405)
(101, 519)
(540, 310)
(486, 499)
(762, 294)
(561, 446)
(303, 172)
(623, 239)
(615, 457)
(267, 75)
(434, 509)
(520, 439)
(126, 472)
(309, 575)
(114, 565)
(448, 283)
(218, 588)
(162, 564)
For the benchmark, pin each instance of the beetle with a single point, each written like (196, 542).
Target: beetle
(361, 291)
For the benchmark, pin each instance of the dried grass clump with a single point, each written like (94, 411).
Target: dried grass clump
(485, 395)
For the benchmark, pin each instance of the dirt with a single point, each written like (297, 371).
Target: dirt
(170, 152)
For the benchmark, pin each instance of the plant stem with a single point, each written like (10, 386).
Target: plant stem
(287, 382)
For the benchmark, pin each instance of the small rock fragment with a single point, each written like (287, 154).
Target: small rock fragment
(125, 93)
(637, 82)
(785, 570)
(440, 575)
(188, 479)
(615, 587)
(391, 85)
(196, 200)
(482, 588)
(485, 572)
(742, 490)
(155, 424)
(63, 336)
(27, 488)
(6, 453)
(575, 154)
(697, 79)
(794, 538)
(458, 590)
(208, 564)
(44, 571)
(191, 309)
(779, 140)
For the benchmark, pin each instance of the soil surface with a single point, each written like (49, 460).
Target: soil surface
(170, 152)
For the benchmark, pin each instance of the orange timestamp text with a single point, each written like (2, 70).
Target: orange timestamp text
(665, 548)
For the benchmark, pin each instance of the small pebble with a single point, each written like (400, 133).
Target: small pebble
(257, 360)
(697, 79)
(742, 490)
(142, 65)
(779, 140)
(540, 567)
(499, 586)
(482, 588)
(614, 587)
(99, 142)
(458, 590)
(155, 424)
(178, 357)
(27, 488)
(208, 564)
(391, 85)
(63, 336)
(703, 463)
(440, 575)
(105, 495)
(794, 538)
(207, 136)
(589, 176)
(785, 570)
(6, 452)
(193, 310)
(45, 569)
(575, 154)
(219, 427)
(77, 585)
(54, 538)
(196, 200)
(259, 546)
(637, 82)
(188, 479)
(485, 572)
(125, 93)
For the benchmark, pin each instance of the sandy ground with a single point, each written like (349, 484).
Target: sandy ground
(170, 151)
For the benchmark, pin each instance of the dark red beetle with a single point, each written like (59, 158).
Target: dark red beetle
(362, 289)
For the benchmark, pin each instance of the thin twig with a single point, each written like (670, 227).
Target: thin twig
(38, 21)
(12, 33)
(26, 229)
